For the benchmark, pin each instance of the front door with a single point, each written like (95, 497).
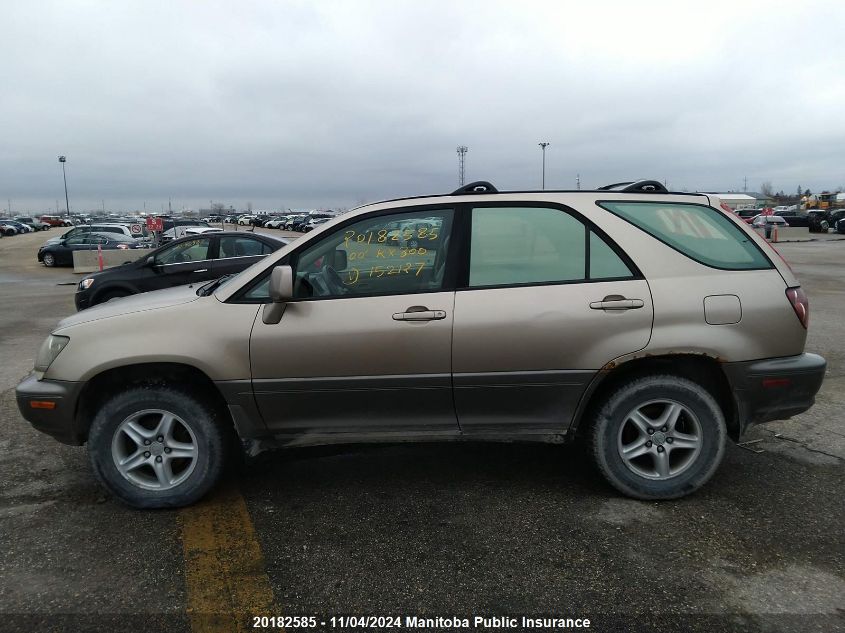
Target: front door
(182, 263)
(365, 347)
(547, 302)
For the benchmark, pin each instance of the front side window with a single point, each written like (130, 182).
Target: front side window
(187, 251)
(400, 253)
(697, 231)
(525, 245)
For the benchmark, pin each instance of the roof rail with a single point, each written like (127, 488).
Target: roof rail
(479, 186)
(637, 186)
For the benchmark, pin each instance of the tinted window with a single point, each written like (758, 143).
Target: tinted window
(604, 262)
(519, 245)
(232, 246)
(187, 251)
(76, 239)
(400, 253)
(699, 232)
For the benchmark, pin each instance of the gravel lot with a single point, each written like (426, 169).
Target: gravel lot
(435, 529)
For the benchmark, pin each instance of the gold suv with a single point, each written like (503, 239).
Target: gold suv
(629, 315)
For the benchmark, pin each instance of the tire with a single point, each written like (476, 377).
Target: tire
(194, 424)
(684, 468)
(111, 294)
(49, 260)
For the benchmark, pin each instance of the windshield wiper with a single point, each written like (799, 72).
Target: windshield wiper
(211, 286)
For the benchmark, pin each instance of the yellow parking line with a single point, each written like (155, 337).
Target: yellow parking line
(224, 566)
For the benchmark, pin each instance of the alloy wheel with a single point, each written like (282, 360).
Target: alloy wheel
(154, 449)
(659, 439)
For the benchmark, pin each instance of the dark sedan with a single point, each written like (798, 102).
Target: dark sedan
(195, 258)
(61, 253)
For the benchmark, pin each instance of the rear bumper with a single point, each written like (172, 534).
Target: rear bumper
(34, 396)
(776, 388)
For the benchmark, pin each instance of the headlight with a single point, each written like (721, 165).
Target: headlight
(86, 283)
(50, 349)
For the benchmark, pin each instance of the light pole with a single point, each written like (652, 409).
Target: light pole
(543, 146)
(63, 160)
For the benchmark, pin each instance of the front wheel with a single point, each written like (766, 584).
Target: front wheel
(658, 437)
(49, 260)
(156, 447)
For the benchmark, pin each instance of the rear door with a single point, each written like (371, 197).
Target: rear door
(237, 252)
(546, 302)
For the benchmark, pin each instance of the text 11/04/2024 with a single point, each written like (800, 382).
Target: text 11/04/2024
(379, 622)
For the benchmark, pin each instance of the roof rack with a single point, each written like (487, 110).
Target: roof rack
(636, 186)
(479, 186)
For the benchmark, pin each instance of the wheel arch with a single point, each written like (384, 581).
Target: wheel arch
(111, 287)
(106, 383)
(702, 369)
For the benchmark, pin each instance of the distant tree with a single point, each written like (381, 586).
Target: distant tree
(218, 208)
(798, 193)
(807, 192)
(249, 207)
(766, 189)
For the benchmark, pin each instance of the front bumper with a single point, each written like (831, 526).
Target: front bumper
(82, 299)
(775, 388)
(35, 397)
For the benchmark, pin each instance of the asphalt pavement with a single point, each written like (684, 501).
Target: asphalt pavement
(432, 530)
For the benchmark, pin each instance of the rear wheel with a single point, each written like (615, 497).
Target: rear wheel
(658, 437)
(157, 447)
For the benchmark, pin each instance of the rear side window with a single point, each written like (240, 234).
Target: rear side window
(698, 231)
(525, 245)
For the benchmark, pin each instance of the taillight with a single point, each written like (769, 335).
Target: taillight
(800, 303)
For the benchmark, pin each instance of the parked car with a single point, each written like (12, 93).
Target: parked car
(748, 214)
(61, 253)
(119, 229)
(245, 220)
(36, 225)
(275, 223)
(770, 220)
(175, 228)
(794, 218)
(55, 220)
(199, 230)
(19, 226)
(295, 220)
(186, 260)
(629, 316)
(818, 221)
(313, 224)
(8, 229)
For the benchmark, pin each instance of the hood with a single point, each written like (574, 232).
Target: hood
(155, 300)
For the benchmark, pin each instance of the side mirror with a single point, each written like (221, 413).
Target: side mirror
(150, 261)
(339, 260)
(281, 291)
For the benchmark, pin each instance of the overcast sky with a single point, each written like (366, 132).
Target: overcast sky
(330, 104)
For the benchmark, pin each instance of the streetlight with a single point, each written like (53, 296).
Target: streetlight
(63, 160)
(543, 146)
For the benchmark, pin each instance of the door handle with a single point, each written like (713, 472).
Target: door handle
(419, 313)
(201, 270)
(617, 302)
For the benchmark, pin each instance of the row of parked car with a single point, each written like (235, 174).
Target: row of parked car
(816, 221)
(300, 222)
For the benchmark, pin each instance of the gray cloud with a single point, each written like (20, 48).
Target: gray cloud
(303, 104)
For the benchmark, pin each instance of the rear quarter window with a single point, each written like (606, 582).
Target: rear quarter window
(700, 232)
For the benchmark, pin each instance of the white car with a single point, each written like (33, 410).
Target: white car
(199, 230)
(275, 223)
(244, 220)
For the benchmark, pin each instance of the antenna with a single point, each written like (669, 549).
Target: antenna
(462, 160)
